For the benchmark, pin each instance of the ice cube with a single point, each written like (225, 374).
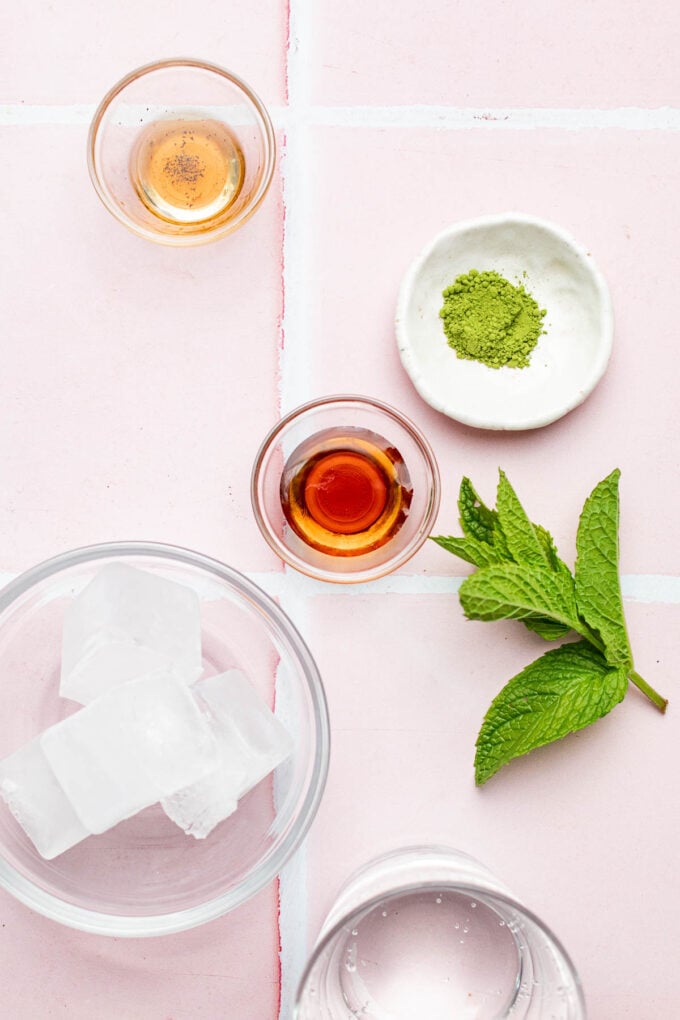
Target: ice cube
(251, 741)
(200, 807)
(141, 741)
(30, 789)
(125, 623)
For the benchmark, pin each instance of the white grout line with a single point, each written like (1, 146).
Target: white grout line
(663, 589)
(294, 588)
(297, 114)
(660, 588)
(21, 114)
(295, 362)
(291, 583)
(294, 388)
(292, 928)
(512, 118)
(293, 912)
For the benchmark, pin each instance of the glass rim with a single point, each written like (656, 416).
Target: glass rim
(221, 230)
(139, 926)
(348, 918)
(429, 515)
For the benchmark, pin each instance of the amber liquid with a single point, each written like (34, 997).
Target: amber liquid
(345, 491)
(187, 171)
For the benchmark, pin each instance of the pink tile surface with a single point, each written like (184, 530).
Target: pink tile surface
(138, 381)
(73, 52)
(401, 193)
(574, 829)
(142, 379)
(495, 53)
(226, 968)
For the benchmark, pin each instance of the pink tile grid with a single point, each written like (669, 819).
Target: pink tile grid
(494, 54)
(141, 379)
(561, 826)
(138, 382)
(614, 191)
(73, 52)
(227, 968)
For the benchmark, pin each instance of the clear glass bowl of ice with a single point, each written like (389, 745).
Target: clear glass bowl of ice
(163, 739)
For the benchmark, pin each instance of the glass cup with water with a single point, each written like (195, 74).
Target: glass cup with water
(430, 933)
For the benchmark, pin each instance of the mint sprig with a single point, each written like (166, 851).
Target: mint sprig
(520, 576)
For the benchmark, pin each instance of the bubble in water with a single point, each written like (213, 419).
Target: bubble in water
(355, 931)
(431, 984)
(351, 961)
(473, 905)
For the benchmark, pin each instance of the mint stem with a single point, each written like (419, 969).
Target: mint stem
(648, 691)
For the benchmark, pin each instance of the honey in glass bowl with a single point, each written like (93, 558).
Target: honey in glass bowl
(345, 492)
(187, 171)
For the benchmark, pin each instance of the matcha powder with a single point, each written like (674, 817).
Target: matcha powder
(486, 318)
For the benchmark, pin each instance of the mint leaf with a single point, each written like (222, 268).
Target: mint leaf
(516, 591)
(563, 691)
(598, 591)
(469, 549)
(522, 539)
(478, 521)
(548, 543)
(549, 630)
(530, 544)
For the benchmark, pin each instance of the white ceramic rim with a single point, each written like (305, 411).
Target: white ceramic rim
(412, 365)
(120, 925)
(182, 240)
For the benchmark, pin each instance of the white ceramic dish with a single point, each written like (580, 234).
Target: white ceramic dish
(569, 358)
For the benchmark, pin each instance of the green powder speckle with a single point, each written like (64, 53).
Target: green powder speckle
(486, 318)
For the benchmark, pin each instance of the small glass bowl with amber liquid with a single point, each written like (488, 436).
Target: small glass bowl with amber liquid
(345, 489)
(181, 152)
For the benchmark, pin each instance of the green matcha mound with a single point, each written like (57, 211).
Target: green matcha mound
(486, 318)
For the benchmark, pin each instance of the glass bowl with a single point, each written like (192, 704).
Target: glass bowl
(295, 485)
(186, 195)
(145, 876)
